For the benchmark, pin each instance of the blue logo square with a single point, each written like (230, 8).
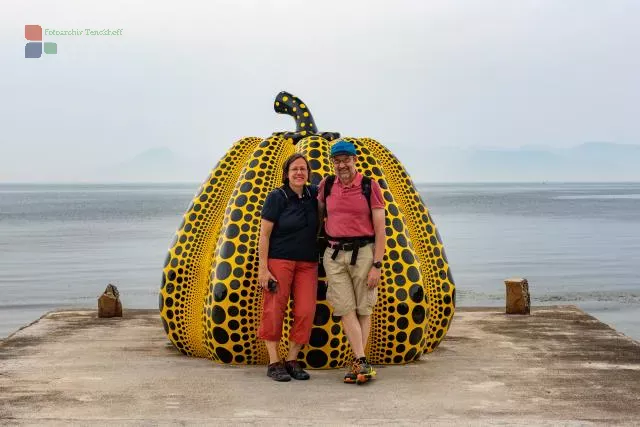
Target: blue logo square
(33, 50)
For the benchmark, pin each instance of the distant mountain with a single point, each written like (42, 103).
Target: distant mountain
(593, 161)
(158, 165)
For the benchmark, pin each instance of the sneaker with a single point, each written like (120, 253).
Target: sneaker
(295, 370)
(363, 371)
(277, 372)
(350, 377)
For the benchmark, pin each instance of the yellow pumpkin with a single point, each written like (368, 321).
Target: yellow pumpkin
(210, 301)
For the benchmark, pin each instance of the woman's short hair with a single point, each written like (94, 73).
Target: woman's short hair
(292, 158)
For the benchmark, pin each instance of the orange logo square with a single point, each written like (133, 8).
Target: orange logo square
(33, 32)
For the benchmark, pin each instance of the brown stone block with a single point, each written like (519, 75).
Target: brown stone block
(517, 296)
(109, 303)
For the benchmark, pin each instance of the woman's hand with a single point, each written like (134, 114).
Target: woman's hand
(263, 277)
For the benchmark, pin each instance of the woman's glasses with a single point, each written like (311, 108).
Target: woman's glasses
(297, 170)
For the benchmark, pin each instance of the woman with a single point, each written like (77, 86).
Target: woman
(289, 265)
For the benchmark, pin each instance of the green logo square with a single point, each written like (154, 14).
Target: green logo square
(50, 48)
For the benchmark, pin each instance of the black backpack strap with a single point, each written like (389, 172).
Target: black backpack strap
(366, 190)
(328, 184)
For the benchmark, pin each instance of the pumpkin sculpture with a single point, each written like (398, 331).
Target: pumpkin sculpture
(210, 301)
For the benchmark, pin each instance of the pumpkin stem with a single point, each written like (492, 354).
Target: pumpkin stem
(285, 103)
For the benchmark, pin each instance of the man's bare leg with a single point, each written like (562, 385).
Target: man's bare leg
(352, 329)
(365, 327)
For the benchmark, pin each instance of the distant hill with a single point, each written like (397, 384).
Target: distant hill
(158, 165)
(594, 161)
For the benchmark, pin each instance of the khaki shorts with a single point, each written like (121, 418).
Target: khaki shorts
(347, 284)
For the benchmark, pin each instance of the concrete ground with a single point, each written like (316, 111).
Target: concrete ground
(556, 366)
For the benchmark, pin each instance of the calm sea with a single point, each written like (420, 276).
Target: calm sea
(60, 245)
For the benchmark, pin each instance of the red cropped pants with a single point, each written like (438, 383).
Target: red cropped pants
(298, 279)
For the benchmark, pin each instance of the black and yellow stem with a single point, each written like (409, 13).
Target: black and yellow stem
(291, 105)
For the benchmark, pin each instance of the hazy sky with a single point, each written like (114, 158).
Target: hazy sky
(416, 75)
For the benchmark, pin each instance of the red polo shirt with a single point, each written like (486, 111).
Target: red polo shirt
(347, 208)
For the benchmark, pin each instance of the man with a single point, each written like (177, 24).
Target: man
(353, 259)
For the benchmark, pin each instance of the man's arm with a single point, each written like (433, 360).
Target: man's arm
(377, 216)
(379, 231)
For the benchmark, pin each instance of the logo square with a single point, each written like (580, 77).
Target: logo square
(33, 32)
(33, 50)
(50, 48)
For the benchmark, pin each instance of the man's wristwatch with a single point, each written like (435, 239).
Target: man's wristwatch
(378, 264)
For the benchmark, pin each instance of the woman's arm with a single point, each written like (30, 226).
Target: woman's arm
(266, 227)
(320, 217)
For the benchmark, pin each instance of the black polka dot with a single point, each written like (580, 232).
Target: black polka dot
(234, 325)
(232, 231)
(416, 292)
(317, 358)
(418, 314)
(322, 315)
(412, 274)
(403, 308)
(246, 187)
(227, 250)
(219, 292)
(397, 225)
(223, 270)
(407, 256)
(236, 215)
(319, 337)
(401, 294)
(220, 335)
(403, 322)
(388, 197)
(224, 355)
(415, 336)
(397, 267)
(218, 315)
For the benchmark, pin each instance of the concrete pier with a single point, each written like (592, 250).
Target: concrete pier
(556, 366)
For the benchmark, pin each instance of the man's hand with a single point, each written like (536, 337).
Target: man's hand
(374, 278)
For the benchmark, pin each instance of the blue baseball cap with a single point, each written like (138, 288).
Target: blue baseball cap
(343, 147)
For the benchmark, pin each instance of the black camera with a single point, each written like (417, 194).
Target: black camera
(272, 285)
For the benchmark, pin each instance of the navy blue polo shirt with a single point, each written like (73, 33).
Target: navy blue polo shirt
(295, 223)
